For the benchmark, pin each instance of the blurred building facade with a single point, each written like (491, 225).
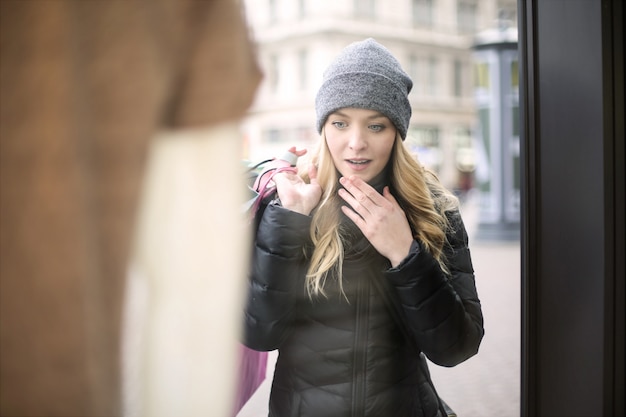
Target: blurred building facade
(432, 39)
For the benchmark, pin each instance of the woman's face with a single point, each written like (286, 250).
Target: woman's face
(360, 141)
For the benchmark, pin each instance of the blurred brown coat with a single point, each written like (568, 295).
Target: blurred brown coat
(84, 87)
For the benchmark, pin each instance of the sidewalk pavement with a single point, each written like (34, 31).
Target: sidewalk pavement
(487, 385)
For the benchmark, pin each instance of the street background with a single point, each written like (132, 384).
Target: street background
(488, 384)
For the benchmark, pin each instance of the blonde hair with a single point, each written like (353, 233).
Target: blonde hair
(419, 192)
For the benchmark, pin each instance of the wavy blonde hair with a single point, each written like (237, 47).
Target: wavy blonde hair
(420, 194)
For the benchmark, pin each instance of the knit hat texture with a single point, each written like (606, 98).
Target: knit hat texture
(366, 75)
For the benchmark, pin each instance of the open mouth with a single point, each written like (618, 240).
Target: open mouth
(358, 161)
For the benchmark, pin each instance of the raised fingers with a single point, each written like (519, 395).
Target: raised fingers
(297, 152)
(356, 206)
(360, 197)
(362, 193)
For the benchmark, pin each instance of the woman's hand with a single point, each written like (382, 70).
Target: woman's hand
(294, 193)
(379, 217)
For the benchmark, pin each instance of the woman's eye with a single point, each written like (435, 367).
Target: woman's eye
(339, 125)
(376, 128)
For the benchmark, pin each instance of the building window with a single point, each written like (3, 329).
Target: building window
(464, 160)
(365, 8)
(417, 74)
(272, 135)
(514, 76)
(424, 73)
(463, 137)
(301, 9)
(423, 13)
(272, 8)
(432, 82)
(515, 92)
(301, 136)
(481, 76)
(423, 141)
(303, 66)
(273, 74)
(413, 71)
(507, 11)
(458, 74)
(484, 160)
(466, 15)
(426, 136)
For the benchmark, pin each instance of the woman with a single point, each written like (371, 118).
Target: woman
(362, 264)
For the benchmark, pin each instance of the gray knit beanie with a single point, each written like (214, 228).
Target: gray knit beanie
(365, 75)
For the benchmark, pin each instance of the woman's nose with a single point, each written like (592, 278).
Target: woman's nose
(357, 139)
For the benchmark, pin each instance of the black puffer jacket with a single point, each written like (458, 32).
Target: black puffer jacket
(345, 355)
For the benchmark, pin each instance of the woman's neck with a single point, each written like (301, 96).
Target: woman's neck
(380, 181)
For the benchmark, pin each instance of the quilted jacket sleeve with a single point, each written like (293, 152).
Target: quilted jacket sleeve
(277, 276)
(442, 312)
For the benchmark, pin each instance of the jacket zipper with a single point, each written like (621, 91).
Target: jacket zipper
(360, 349)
